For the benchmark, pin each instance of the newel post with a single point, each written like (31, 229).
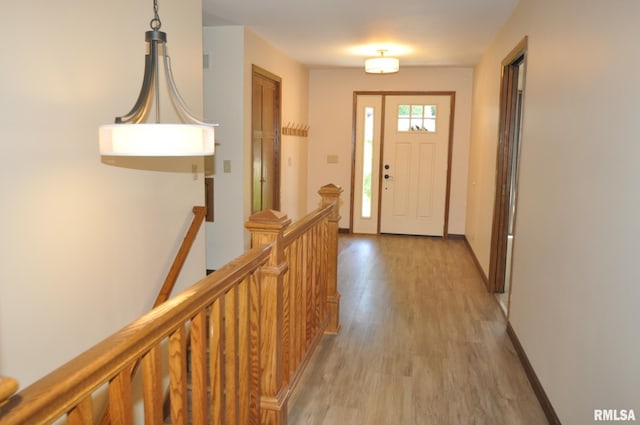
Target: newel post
(331, 195)
(267, 227)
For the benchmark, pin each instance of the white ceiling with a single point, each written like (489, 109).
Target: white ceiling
(338, 33)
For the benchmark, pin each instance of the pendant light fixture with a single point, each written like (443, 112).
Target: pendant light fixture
(132, 136)
(381, 64)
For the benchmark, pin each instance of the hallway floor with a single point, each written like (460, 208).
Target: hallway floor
(422, 342)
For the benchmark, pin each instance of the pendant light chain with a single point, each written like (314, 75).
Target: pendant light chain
(155, 26)
(155, 22)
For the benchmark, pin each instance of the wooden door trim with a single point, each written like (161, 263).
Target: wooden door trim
(447, 199)
(255, 69)
(384, 94)
(499, 231)
(383, 128)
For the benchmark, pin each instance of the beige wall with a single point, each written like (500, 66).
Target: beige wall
(233, 50)
(85, 243)
(331, 112)
(575, 275)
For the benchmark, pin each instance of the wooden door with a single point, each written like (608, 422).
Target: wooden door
(415, 164)
(265, 148)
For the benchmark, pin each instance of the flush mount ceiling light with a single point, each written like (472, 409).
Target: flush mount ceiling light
(131, 136)
(381, 64)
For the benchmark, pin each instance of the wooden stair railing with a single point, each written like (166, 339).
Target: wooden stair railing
(299, 293)
(199, 213)
(252, 326)
(232, 291)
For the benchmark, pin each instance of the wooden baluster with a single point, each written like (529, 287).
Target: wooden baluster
(231, 355)
(305, 287)
(268, 227)
(287, 322)
(319, 301)
(120, 406)
(178, 376)
(331, 194)
(295, 306)
(308, 289)
(254, 348)
(198, 335)
(311, 295)
(319, 265)
(152, 386)
(324, 255)
(244, 371)
(82, 414)
(216, 376)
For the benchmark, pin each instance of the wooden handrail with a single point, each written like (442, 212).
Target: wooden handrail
(170, 281)
(304, 224)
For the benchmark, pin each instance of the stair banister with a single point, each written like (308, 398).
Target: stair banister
(261, 317)
(70, 387)
(199, 214)
(267, 227)
(331, 196)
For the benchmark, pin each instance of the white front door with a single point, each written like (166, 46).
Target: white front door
(414, 164)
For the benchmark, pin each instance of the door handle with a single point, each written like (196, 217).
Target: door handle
(387, 176)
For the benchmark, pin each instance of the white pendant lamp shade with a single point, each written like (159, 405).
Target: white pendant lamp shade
(156, 140)
(381, 64)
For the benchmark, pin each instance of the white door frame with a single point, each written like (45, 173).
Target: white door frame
(383, 94)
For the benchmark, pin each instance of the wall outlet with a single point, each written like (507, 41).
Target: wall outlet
(226, 165)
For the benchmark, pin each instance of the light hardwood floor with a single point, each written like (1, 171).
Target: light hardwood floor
(422, 342)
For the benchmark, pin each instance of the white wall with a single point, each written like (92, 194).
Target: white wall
(331, 114)
(228, 99)
(224, 104)
(574, 303)
(85, 243)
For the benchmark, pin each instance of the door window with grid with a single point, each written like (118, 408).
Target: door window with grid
(417, 118)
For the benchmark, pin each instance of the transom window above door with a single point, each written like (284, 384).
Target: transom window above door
(417, 118)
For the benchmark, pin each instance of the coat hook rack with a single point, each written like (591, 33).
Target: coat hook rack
(295, 129)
